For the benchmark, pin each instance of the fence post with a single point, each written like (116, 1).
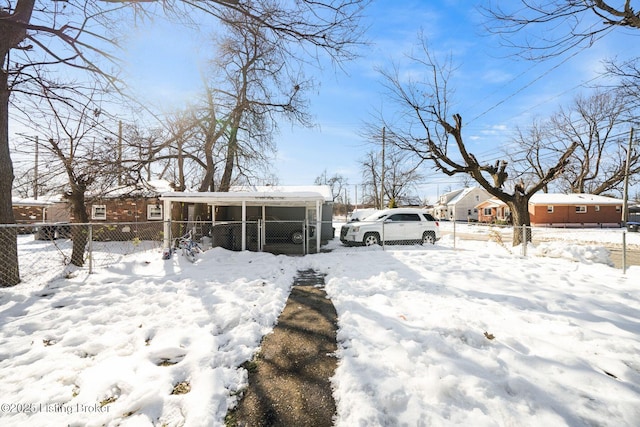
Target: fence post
(90, 249)
(383, 225)
(524, 240)
(454, 234)
(624, 252)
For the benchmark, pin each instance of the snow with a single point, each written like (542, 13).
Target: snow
(466, 334)
(573, 199)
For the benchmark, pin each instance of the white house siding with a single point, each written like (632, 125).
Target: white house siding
(463, 206)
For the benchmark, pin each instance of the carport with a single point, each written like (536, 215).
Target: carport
(236, 205)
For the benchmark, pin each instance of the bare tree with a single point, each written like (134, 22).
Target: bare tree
(401, 171)
(74, 134)
(44, 34)
(258, 88)
(336, 182)
(598, 125)
(432, 135)
(554, 27)
(402, 176)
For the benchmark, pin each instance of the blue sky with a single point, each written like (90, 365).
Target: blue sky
(494, 91)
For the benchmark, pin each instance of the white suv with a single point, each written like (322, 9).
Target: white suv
(398, 225)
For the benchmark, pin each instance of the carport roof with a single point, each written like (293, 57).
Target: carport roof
(256, 198)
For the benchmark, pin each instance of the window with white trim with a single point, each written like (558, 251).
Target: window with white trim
(549, 209)
(597, 208)
(486, 211)
(581, 209)
(154, 212)
(99, 212)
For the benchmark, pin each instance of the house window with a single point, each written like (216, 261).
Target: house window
(486, 211)
(581, 209)
(550, 209)
(154, 212)
(618, 208)
(597, 208)
(98, 212)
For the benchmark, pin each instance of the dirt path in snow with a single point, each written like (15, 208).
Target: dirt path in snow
(289, 381)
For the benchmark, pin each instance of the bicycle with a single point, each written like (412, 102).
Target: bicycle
(189, 247)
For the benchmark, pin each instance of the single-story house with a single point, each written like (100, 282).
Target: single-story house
(492, 211)
(30, 211)
(281, 219)
(129, 203)
(552, 209)
(560, 210)
(460, 205)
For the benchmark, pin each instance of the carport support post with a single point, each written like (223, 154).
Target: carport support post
(166, 211)
(244, 225)
(318, 225)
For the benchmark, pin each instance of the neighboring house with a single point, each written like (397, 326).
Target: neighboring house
(30, 211)
(559, 210)
(460, 205)
(139, 203)
(493, 211)
(552, 209)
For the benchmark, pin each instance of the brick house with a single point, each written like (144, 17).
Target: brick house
(493, 211)
(560, 210)
(550, 209)
(137, 208)
(30, 211)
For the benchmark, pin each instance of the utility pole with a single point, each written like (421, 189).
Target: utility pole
(382, 172)
(119, 166)
(625, 208)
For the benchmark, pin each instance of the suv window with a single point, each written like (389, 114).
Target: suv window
(404, 217)
(428, 217)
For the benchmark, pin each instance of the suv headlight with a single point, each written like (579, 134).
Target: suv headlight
(355, 229)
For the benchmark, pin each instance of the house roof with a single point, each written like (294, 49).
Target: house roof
(446, 197)
(28, 201)
(493, 202)
(558, 199)
(151, 188)
(255, 198)
(464, 193)
(323, 190)
(572, 199)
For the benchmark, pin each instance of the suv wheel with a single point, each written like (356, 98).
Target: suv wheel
(428, 237)
(371, 239)
(297, 237)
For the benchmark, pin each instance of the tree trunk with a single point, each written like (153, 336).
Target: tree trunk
(232, 151)
(9, 268)
(79, 233)
(519, 207)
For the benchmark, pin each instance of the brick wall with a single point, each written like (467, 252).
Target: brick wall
(607, 214)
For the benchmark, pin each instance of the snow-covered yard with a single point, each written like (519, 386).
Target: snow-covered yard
(428, 336)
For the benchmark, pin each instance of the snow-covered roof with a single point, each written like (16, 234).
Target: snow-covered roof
(151, 188)
(446, 197)
(323, 190)
(572, 199)
(28, 201)
(251, 198)
(493, 202)
(461, 195)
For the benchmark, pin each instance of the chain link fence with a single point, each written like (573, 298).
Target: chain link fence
(45, 250)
